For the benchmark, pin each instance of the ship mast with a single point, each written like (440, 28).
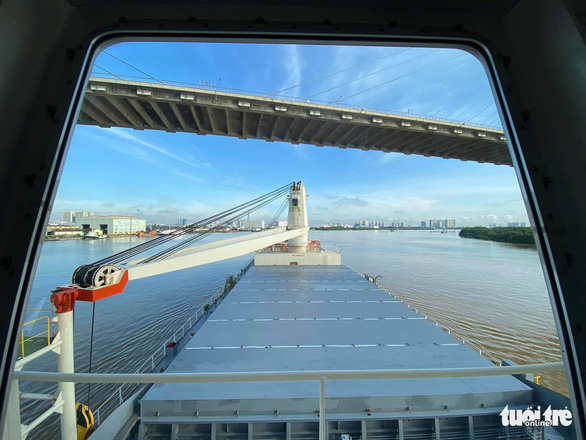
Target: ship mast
(298, 217)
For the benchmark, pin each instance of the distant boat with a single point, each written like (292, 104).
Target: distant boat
(91, 236)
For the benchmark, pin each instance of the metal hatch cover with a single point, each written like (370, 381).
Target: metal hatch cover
(296, 318)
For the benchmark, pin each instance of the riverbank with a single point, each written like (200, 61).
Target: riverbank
(511, 235)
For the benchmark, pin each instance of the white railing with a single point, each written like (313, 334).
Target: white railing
(119, 396)
(280, 376)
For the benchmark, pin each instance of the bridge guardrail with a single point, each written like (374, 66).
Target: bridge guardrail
(99, 75)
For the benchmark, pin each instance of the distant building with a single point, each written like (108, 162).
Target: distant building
(113, 224)
(282, 223)
(423, 224)
(442, 224)
(492, 225)
(71, 216)
(64, 230)
(254, 224)
(182, 221)
(516, 224)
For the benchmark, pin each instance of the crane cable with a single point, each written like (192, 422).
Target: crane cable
(85, 274)
(279, 212)
(120, 256)
(187, 243)
(89, 385)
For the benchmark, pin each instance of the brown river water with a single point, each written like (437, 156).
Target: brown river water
(492, 295)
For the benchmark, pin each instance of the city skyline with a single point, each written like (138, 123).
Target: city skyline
(69, 217)
(176, 175)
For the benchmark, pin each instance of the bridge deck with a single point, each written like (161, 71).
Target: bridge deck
(318, 318)
(139, 105)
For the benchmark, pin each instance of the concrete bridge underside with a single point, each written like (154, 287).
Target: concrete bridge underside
(140, 105)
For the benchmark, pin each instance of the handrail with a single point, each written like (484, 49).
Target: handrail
(121, 393)
(278, 376)
(48, 331)
(273, 376)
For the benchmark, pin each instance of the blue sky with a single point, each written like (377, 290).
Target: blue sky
(173, 175)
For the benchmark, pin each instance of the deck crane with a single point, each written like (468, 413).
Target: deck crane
(109, 276)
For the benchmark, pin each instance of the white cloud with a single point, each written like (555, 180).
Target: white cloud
(128, 136)
(187, 176)
(293, 65)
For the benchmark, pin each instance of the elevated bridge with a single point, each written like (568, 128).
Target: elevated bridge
(172, 108)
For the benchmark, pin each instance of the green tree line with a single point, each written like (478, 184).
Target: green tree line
(502, 235)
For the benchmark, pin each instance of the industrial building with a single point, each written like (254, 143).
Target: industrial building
(253, 224)
(71, 216)
(112, 224)
(64, 230)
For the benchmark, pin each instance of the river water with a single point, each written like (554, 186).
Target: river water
(492, 295)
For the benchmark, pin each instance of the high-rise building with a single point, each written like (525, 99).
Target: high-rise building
(442, 224)
(423, 224)
(182, 221)
(516, 224)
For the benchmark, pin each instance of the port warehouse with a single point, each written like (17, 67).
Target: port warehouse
(112, 224)
(64, 230)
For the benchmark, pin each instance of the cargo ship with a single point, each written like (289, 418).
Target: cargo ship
(296, 346)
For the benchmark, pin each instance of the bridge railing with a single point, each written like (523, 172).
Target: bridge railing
(341, 106)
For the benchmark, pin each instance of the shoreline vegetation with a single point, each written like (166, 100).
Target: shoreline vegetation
(512, 235)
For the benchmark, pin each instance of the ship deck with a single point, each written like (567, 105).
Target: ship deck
(296, 318)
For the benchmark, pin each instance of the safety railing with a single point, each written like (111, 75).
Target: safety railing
(16, 395)
(286, 376)
(46, 332)
(120, 395)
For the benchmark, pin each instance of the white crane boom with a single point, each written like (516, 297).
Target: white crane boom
(212, 252)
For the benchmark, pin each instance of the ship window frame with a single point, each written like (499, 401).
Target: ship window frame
(107, 37)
